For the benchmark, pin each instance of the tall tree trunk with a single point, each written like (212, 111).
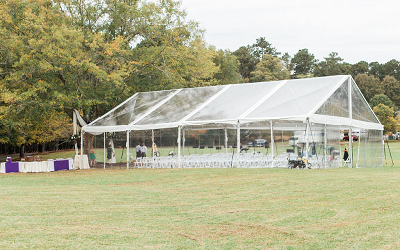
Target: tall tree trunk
(87, 143)
(22, 151)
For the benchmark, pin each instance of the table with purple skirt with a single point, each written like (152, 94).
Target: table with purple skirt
(37, 166)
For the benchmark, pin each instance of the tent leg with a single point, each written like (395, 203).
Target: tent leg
(272, 144)
(104, 149)
(75, 131)
(81, 167)
(325, 146)
(238, 145)
(152, 143)
(382, 147)
(351, 146)
(183, 142)
(358, 150)
(351, 118)
(307, 141)
(226, 140)
(179, 146)
(127, 149)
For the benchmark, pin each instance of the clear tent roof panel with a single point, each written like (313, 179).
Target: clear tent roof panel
(180, 105)
(133, 109)
(121, 115)
(295, 99)
(234, 101)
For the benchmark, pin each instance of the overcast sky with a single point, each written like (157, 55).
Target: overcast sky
(367, 30)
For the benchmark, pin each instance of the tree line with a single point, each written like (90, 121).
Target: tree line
(90, 55)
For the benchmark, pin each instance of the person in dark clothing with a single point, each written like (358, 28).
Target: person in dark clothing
(346, 153)
(110, 153)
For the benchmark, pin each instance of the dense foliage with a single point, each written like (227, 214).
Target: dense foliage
(90, 55)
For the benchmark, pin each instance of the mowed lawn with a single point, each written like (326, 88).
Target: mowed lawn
(231, 208)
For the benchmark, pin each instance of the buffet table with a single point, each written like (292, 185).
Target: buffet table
(37, 166)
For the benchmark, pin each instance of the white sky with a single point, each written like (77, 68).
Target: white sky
(367, 30)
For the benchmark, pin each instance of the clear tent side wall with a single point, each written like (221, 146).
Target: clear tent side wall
(217, 146)
(370, 146)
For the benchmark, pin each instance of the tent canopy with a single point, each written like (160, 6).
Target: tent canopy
(333, 100)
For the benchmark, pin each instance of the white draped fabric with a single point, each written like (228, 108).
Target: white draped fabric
(38, 166)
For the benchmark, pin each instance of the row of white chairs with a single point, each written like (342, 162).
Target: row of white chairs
(223, 160)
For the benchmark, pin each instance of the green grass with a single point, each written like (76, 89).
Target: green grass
(202, 209)
(340, 208)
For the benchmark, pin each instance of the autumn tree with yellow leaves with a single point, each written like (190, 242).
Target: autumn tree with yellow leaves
(89, 55)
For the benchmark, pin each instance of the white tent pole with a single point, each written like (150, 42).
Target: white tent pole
(238, 144)
(383, 145)
(75, 131)
(325, 146)
(351, 119)
(307, 140)
(183, 141)
(351, 146)
(365, 146)
(179, 146)
(358, 153)
(152, 143)
(81, 167)
(283, 151)
(272, 143)
(104, 150)
(226, 139)
(127, 149)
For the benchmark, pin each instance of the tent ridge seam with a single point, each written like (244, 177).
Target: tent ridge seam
(204, 104)
(115, 108)
(345, 77)
(155, 107)
(263, 99)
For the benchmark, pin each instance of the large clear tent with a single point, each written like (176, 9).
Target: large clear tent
(267, 124)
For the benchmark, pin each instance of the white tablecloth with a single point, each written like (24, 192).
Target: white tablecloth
(37, 166)
(81, 162)
(34, 167)
(2, 167)
(41, 166)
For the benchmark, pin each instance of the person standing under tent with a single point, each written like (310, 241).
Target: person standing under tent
(143, 150)
(138, 153)
(113, 159)
(155, 150)
(92, 158)
(110, 153)
(346, 153)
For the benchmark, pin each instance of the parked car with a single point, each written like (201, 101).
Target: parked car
(257, 143)
(346, 138)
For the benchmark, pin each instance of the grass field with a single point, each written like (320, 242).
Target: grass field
(277, 208)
